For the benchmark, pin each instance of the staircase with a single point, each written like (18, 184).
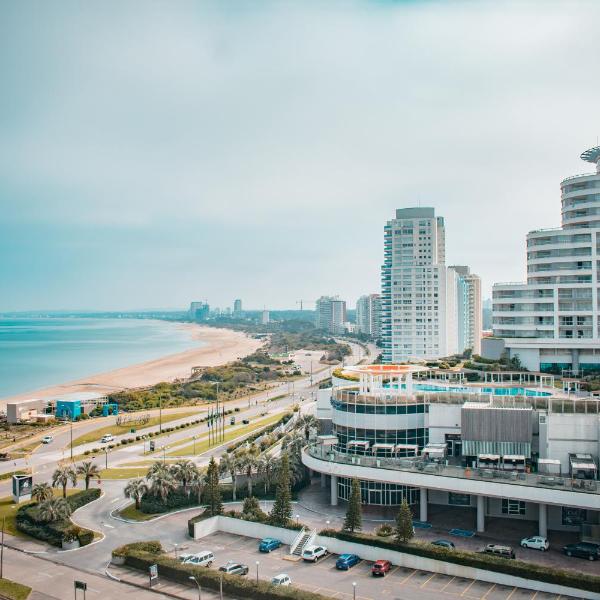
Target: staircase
(304, 538)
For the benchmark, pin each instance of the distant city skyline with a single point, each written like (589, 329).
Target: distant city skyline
(256, 152)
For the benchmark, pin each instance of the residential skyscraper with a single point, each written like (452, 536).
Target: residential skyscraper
(237, 308)
(413, 286)
(199, 311)
(468, 310)
(552, 322)
(331, 314)
(368, 315)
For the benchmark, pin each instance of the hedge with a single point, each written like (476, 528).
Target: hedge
(517, 568)
(235, 586)
(27, 520)
(239, 515)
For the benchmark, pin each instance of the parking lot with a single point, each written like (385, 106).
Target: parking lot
(400, 583)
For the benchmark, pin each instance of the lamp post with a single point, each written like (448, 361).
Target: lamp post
(71, 439)
(297, 519)
(175, 546)
(160, 413)
(105, 457)
(164, 449)
(221, 585)
(257, 563)
(354, 590)
(199, 588)
(194, 438)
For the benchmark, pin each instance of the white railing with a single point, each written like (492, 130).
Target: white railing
(297, 540)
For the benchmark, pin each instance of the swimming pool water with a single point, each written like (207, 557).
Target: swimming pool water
(505, 391)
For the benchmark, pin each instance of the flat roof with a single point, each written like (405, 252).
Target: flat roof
(384, 369)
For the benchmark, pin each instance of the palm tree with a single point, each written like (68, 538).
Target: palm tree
(266, 467)
(135, 490)
(88, 470)
(55, 509)
(61, 478)
(248, 464)
(41, 492)
(230, 464)
(307, 422)
(162, 483)
(158, 468)
(197, 484)
(185, 471)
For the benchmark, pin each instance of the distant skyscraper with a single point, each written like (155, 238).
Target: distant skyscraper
(413, 287)
(464, 310)
(237, 308)
(265, 317)
(199, 311)
(368, 315)
(331, 314)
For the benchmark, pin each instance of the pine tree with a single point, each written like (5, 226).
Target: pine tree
(281, 512)
(353, 520)
(213, 493)
(404, 523)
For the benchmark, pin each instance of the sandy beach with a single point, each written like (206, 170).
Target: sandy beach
(219, 346)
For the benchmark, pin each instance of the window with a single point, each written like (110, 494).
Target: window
(456, 499)
(573, 516)
(512, 507)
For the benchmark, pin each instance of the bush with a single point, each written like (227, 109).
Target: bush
(516, 568)
(233, 585)
(85, 537)
(151, 547)
(384, 530)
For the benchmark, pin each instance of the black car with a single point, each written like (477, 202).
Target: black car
(233, 568)
(583, 550)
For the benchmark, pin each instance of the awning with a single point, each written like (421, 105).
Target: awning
(489, 457)
(434, 451)
(327, 440)
(513, 458)
(548, 461)
(412, 447)
(583, 466)
(359, 444)
(376, 447)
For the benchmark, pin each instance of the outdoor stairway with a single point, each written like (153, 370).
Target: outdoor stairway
(306, 535)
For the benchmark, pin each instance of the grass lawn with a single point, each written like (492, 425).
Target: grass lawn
(132, 513)
(126, 473)
(13, 590)
(8, 511)
(96, 434)
(231, 434)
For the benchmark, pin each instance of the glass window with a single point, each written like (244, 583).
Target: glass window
(512, 507)
(456, 499)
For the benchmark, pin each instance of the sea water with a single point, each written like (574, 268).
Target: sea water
(40, 352)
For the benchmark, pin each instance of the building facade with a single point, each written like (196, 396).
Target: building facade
(368, 315)
(518, 453)
(465, 310)
(551, 322)
(237, 308)
(331, 314)
(199, 311)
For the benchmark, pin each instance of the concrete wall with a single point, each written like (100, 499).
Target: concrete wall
(442, 419)
(287, 536)
(492, 348)
(572, 433)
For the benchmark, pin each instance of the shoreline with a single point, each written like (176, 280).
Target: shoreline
(219, 346)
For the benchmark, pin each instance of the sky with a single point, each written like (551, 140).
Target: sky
(154, 153)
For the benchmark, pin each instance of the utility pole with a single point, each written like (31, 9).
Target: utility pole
(2, 550)
(160, 413)
(71, 439)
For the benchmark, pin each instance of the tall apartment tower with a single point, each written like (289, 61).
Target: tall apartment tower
(237, 308)
(468, 311)
(368, 315)
(552, 322)
(413, 286)
(331, 314)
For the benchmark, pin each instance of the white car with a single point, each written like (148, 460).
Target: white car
(537, 542)
(106, 438)
(200, 559)
(281, 579)
(47, 439)
(314, 553)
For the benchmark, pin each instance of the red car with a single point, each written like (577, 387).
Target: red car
(380, 567)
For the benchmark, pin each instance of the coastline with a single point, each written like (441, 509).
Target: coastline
(219, 346)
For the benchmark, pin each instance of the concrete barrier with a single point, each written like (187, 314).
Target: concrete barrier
(411, 561)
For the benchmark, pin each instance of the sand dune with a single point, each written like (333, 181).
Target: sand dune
(219, 347)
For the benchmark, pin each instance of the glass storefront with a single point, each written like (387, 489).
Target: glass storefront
(417, 436)
(380, 494)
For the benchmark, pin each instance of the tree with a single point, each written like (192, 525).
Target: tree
(307, 422)
(41, 492)
(353, 520)
(61, 478)
(252, 511)
(135, 490)
(282, 507)
(197, 485)
(266, 467)
(214, 506)
(404, 523)
(230, 464)
(248, 464)
(162, 484)
(185, 471)
(88, 470)
(55, 509)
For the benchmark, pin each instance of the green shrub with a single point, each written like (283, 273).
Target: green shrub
(150, 547)
(384, 530)
(516, 568)
(85, 537)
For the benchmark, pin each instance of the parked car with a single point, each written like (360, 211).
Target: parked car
(47, 439)
(232, 421)
(281, 579)
(269, 544)
(380, 568)
(107, 438)
(247, 422)
(314, 553)
(444, 544)
(497, 550)
(346, 561)
(200, 559)
(537, 542)
(185, 555)
(233, 568)
(583, 550)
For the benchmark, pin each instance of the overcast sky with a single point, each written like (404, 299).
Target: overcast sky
(153, 153)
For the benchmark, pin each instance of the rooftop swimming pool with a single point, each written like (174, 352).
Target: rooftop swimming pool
(496, 391)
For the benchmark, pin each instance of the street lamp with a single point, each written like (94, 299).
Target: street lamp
(297, 518)
(106, 457)
(257, 563)
(165, 448)
(194, 437)
(354, 590)
(199, 588)
(175, 546)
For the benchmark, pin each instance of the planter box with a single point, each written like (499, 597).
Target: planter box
(117, 560)
(70, 545)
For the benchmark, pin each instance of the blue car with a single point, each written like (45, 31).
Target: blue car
(269, 544)
(345, 561)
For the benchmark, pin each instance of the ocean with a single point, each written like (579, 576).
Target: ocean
(36, 353)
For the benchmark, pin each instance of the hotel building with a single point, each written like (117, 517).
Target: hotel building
(552, 322)
(331, 314)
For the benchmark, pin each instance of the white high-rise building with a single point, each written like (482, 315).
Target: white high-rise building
(368, 315)
(331, 314)
(237, 308)
(413, 288)
(552, 322)
(465, 315)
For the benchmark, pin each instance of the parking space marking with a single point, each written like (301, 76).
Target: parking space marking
(467, 588)
(511, 593)
(448, 583)
(392, 571)
(483, 597)
(407, 578)
(428, 580)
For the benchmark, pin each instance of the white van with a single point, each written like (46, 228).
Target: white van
(107, 438)
(200, 559)
(281, 579)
